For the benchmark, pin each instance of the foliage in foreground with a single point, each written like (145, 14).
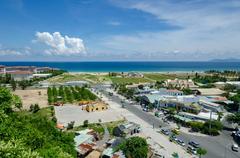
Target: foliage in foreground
(135, 147)
(29, 134)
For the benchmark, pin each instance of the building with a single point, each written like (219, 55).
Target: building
(109, 153)
(235, 83)
(209, 92)
(211, 106)
(21, 75)
(2, 69)
(98, 106)
(21, 68)
(164, 91)
(180, 83)
(85, 142)
(94, 154)
(202, 116)
(129, 128)
(135, 74)
(41, 75)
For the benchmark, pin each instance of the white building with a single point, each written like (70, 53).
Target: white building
(21, 75)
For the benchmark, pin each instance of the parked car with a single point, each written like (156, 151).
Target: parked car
(235, 147)
(145, 109)
(176, 131)
(180, 142)
(173, 138)
(191, 150)
(194, 144)
(165, 131)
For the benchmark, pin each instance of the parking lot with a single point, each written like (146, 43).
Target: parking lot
(68, 113)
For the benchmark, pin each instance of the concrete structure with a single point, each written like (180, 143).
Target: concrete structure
(129, 128)
(99, 106)
(209, 91)
(164, 91)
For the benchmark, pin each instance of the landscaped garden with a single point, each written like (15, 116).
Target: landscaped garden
(69, 94)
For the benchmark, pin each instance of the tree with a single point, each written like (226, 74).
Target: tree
(13, 84)
(135, 147)
(70, 125)
(234, 118)
(85, 123)
(23, 84)
(201, 151)
(34, 108)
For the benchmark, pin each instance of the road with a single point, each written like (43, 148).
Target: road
(217, 147)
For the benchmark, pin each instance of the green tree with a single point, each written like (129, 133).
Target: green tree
(135, 147)
(23, 84)
(201, 151)
(13, 84)
(234, 118)
(85, 123)
(34, 108)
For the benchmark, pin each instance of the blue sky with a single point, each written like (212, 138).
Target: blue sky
(82, 30)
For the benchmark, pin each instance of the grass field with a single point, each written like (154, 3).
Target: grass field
(120, 80)
(159, 77)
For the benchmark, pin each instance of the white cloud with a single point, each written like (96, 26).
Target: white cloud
(4, 52)
(114, 23)
(206, 29)
(61, 45)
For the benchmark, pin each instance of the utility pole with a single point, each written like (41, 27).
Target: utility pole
(210, 123)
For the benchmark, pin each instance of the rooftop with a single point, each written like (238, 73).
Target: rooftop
(19, 72)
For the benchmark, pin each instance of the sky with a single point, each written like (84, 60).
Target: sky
(119, 30)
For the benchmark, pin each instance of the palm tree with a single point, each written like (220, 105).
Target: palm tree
(201, 151)
(220, 115)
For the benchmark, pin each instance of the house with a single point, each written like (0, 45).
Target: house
(85, 142)
(21, 75)
(129, 128)
(109, 153)
(98, 106)
(209, 92)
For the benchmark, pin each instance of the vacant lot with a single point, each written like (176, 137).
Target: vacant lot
(36, 96)
(125, 80)
(66, 114)
(159, 77)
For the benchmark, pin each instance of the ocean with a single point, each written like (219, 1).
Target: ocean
(140, 66)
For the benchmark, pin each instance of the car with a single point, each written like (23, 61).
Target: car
(235, 147)
(194, 144)
(176, 131)
(145, 109)
(173, 138)
(165, 131)
(180, 142)
(191, 150)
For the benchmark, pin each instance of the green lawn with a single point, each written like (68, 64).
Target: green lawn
(120, 80)
(159, 77)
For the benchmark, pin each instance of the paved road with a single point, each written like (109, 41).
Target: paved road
(217, 147)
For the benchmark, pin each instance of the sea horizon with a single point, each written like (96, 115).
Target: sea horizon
(127, 66)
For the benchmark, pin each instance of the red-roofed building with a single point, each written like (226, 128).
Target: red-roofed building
(20, 75)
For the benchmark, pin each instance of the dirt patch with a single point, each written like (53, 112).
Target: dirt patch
(36, 96)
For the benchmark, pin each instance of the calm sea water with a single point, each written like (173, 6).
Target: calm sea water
(132, 66)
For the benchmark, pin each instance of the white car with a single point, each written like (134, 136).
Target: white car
(235, 147)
